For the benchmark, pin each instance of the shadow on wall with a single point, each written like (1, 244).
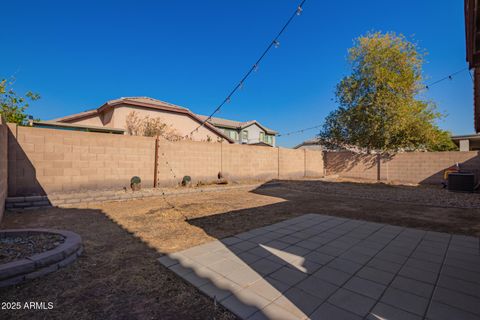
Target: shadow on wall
(408, 167)
(366, 165)
(342, 161)
(22, 177)
(471, 164)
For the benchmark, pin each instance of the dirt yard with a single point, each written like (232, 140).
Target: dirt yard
(118, 276)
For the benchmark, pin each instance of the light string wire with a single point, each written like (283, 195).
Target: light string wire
(426, 87)
(275, 43)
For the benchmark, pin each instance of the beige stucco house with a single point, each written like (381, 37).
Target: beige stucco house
(112, 117)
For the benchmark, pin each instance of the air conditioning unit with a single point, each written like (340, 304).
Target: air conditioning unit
(461, 182)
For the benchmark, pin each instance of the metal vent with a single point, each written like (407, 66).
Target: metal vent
(461, 182)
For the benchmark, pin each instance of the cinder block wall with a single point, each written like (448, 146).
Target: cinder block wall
(292, 163)
(200, 161)
(242, 162)
(43, 161)
(427, 167)
(408, 167)
(314, 164)
(350, 165)
(3, 166)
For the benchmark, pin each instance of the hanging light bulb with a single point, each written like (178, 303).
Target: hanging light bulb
(426, 87)
(276, 43)
(450, 77)
(241, 85)
(228, 100)
(299, 10)
(255, 67)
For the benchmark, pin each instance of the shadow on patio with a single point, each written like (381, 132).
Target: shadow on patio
(267, 272)
(118, 276)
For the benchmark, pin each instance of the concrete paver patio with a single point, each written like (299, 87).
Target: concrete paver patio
(323, 267)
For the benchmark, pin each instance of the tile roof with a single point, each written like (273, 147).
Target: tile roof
(148, 102)
(234, 124)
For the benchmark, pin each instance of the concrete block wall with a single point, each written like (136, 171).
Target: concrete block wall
(199, 160)
(292, 163)
(3, 166)
(43, 161)
(314, 164)
(427, 167)
(241, 162)
(350, 165)
(202, 161)
(408, 167)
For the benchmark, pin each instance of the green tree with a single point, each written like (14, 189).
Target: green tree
(379, 104)
(13, 106)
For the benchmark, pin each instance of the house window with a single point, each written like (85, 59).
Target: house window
(269, 139)
(244, 136)
(262, 137)
(233, 135)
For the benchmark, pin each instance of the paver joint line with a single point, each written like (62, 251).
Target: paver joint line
(316, 266)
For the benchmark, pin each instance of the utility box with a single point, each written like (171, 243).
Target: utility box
(461, 182)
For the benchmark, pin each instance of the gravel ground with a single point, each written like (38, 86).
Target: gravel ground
(118, 276)
(430, 195)
(13, 248)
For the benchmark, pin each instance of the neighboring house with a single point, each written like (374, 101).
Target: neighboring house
(469, 142)
(112, 115)
(312, 144)
(249, 132)
(317, 144)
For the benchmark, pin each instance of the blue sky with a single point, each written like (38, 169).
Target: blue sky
(78, 55)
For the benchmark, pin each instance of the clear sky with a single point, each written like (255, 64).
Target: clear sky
(78, 55)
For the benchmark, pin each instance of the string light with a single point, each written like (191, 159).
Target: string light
(299, 10)
(299, 131)
(449, 77)
(275, 43)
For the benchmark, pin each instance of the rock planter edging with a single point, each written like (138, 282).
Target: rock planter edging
(43, 263)
(73, 199)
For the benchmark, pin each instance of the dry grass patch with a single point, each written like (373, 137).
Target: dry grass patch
(118, 276)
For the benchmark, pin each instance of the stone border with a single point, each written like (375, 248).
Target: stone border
(72, 199)
(43, 263)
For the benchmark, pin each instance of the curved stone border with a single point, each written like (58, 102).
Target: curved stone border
(43, 263)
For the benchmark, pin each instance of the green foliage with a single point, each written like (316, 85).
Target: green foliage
(135, 180)
(379, 104)
(186, 181)
(13, 106)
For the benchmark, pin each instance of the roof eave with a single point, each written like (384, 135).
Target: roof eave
(165, 107)
(111, 104)
(269, 131)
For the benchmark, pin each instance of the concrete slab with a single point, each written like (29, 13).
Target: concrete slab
(322, 267)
